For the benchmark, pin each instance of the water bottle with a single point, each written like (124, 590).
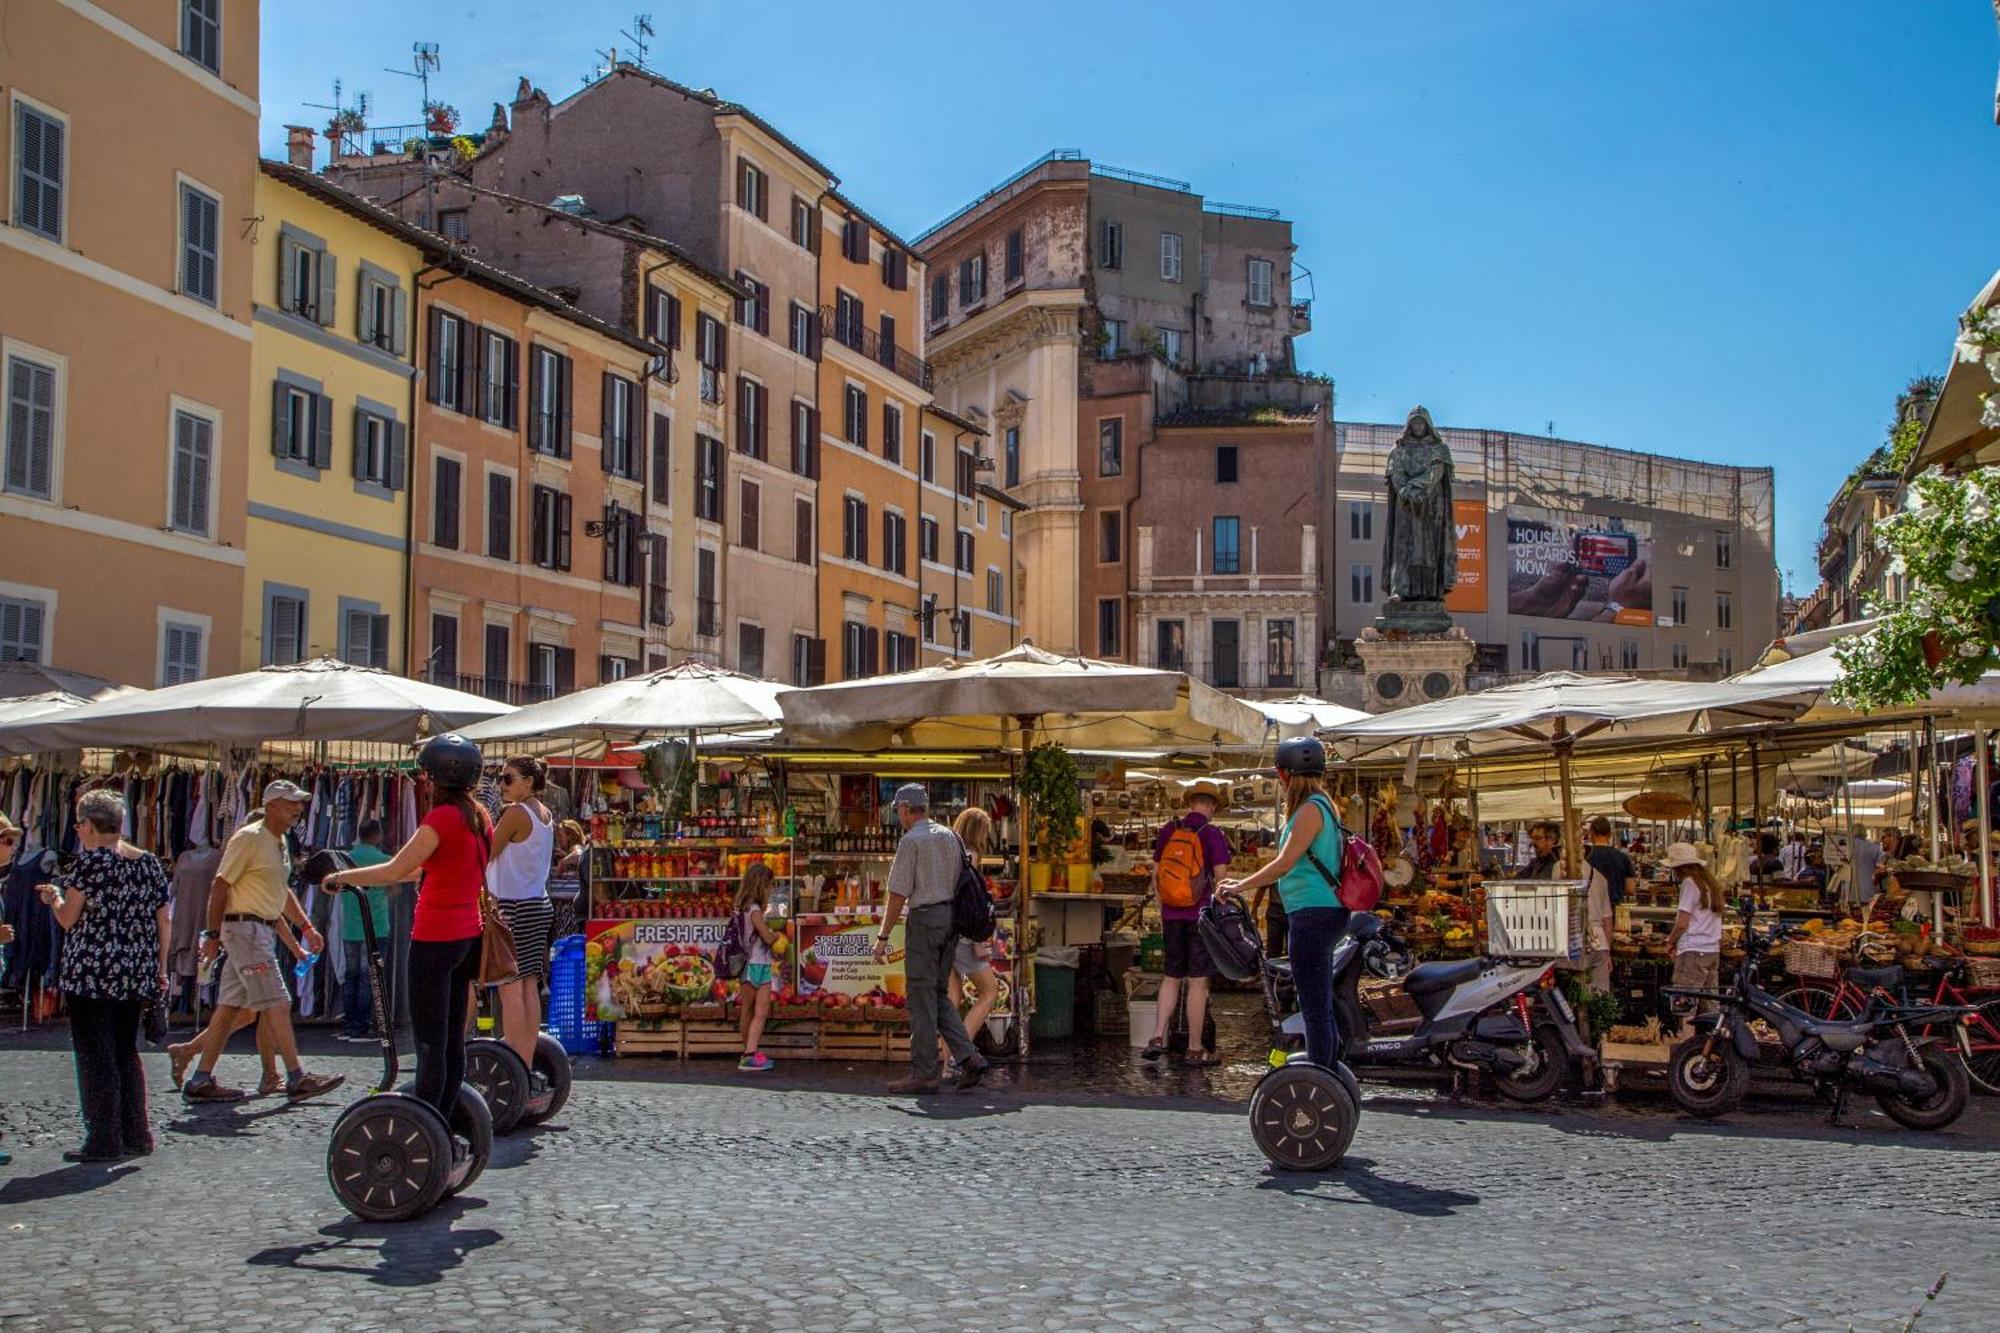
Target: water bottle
(305, 966)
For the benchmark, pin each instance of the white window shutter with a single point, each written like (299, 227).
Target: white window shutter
(401, 305)
(327, 288)
(364, 309)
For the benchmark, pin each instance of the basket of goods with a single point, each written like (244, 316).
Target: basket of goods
(1659, 805)
(1981, 942)
(708, 1011)
(787, 1002)
(1922, 879)
(1816, 956)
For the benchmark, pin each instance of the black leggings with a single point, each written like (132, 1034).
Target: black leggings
(442, 974)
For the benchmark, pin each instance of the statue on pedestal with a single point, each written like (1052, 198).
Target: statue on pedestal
(1420, 540)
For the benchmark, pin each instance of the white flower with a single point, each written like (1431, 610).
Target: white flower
(1993, 364)
(1913, 499)
(1971, 351)
(1989, 415)
(1971, 649)
(1979, 507)
(1959, 571)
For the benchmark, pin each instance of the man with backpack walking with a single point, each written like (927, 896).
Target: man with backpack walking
(923, 881)
(1187, 855)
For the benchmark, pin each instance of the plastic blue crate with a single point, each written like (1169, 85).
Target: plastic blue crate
(567, 998)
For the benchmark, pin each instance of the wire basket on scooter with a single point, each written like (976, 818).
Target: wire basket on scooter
(1535, 918)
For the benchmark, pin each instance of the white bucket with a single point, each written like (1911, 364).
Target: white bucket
(1141, 1014)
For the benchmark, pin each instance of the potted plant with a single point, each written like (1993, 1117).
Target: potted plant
(1052, 788)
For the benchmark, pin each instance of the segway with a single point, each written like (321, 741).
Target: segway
(1302, 1115)
(514, 1095)
(393, 1156)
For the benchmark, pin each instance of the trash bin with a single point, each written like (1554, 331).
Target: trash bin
(1055, 994)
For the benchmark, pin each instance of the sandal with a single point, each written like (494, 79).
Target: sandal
(1155, 1049)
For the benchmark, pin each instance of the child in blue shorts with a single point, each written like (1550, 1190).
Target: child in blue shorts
(754, 991)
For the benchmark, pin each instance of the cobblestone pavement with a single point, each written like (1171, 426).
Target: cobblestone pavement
(696, 1199)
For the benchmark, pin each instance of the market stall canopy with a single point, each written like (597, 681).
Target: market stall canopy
(21, 679)
(1818, 670)
(1536, 714)
(1957, 434)
(686, 697)
(28, 707)
(1302, 715)
(1076, 701)
(321, 700)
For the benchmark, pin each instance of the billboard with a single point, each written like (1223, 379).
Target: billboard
(1571, 566)
(1468, 595)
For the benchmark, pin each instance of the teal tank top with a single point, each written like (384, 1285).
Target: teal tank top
(1303, 886)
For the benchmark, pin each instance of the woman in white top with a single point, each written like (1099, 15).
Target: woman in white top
(1696, 939)
(518, 877)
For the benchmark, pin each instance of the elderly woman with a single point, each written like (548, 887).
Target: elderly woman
(113, 907)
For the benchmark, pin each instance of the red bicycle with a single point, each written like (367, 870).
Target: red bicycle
(1848, 997)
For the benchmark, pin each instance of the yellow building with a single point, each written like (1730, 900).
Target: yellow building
(331, 401)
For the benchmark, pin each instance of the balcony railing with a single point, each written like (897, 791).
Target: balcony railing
(856, 336)
(707, 617)
(711, 384)
(498, 688)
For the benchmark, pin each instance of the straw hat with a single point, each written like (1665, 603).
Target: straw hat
(1681, 854)
(1208, 789)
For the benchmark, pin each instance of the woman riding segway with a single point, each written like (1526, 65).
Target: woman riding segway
(394, 1155)
(1303, 1113)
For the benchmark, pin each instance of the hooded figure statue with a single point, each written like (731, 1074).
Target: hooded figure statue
(1420, 543)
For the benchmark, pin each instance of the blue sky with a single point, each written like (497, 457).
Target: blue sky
(1723, 230)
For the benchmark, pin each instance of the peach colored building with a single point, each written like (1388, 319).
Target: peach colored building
(529, 491)
(125, 334)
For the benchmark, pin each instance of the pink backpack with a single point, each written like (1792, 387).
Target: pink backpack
(1359, 886)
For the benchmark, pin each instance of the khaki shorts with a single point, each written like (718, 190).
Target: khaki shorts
(250, 975)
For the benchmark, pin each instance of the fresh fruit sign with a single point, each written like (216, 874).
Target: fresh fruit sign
(838, 957)
(634, 969)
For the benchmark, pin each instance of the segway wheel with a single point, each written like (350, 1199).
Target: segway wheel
(473, 1122)
(552, 1063)
(1303, 1117)
(389, 1158)
(502, 1079)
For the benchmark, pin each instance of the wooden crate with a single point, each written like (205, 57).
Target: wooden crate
(781, 1040)
(660, 1038)
(863, 1041)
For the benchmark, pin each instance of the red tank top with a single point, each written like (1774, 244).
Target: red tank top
(448, 898)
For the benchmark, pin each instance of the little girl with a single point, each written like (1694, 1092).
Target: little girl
(754, 991)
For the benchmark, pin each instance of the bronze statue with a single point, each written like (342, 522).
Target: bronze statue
(1420, 541)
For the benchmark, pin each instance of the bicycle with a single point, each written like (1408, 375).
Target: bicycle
(1845, 998)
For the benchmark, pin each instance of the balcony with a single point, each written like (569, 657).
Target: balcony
(707, 617)
(711, 384)
(858, 338)
(497, 688)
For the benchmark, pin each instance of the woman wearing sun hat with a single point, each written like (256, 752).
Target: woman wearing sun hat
(1696, 939)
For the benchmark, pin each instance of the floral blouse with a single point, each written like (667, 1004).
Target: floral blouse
(113, 951)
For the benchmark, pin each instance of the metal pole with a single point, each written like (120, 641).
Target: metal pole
(1932, 788)
(1571, 836)
(1756, 818)
(1981, 738)
(1856, 891)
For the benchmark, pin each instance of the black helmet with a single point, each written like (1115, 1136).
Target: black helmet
(451, 761)
(1302, 755)
(1231, 939)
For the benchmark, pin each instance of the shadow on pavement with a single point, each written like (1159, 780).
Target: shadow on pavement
(1357, 1177)
(417, 1253)
(227, 1120)
(520, 1147)
(78, 1179)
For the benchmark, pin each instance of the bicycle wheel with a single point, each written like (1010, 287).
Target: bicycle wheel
(1828, 1006)
(1983, 1065)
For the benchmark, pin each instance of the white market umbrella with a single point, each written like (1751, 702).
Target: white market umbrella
(687, 698)
(1080, 702)
(1554, 711)
(1302, 715)
(321, 700)
(1003, 702)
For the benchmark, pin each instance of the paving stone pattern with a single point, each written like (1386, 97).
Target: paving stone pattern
(663, 1200)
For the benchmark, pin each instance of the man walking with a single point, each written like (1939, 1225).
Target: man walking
(921, 883)
(1186, 857)
(247, 906)
(1612, 877)
(357, 1008)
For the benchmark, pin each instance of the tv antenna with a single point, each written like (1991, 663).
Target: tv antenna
(640, 36)
(349, 122)
(424, 59)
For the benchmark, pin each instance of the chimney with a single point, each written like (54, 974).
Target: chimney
(497, 131)
(299, 146)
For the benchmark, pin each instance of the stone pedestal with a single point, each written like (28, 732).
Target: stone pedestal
(1403, 668)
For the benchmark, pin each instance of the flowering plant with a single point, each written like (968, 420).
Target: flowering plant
(1979, 344)
(1946, 541)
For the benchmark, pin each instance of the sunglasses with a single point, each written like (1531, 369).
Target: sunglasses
(512, 777)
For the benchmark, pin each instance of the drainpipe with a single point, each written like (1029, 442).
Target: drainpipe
(645, 596)
(410, 491)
